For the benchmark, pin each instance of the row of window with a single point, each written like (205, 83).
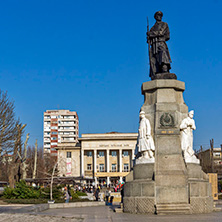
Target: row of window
(113, 169)
(102, 153)
(59, 116)
(62, 122)
(67, 127)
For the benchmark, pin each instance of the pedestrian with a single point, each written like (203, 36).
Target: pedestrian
(97, 194)
(107, 194)
(67, 195)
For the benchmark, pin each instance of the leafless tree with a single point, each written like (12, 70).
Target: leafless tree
(14, 172)
(8, 126)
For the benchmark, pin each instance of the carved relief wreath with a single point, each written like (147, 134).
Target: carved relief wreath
(167, 120)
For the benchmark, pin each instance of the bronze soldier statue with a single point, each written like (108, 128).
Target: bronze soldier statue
(158, 51)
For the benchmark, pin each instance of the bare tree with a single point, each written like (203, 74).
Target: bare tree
(7, 125)
(14, 168)
(24, 158)
(35, 160)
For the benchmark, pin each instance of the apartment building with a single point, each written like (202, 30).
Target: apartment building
(60, 126)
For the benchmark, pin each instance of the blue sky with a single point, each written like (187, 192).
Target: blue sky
(91, 57)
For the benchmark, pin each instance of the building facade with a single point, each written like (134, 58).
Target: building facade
(60, 126)
(107, 157)
(211, 160)
(69, 159)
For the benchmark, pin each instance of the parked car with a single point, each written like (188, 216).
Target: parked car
(3, 184)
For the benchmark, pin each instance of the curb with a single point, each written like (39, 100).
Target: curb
(77, 204)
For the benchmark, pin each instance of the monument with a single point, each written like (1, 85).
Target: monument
(167, 177)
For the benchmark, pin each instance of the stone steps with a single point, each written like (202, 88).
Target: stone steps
(165, 209)
(119, 209)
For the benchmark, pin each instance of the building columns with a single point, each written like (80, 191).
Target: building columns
(107, 161)
(82, 163)
(95, 169)
(131, 159)
(120, 160)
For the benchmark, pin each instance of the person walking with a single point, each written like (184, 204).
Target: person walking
(97, 194)
(107, 195)
(67, 195)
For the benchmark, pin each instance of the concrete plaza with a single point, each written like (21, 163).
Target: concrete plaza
(97, 214)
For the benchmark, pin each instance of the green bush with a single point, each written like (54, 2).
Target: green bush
(56, 193)
(8, 193)
(73, 194)
(79, 193)
(21, 191)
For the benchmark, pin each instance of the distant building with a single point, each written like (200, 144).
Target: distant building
(69, 159)
(107, 157)
(60, 126)
(104, 158)
(211, 160)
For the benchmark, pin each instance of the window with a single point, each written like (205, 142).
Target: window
(101, 168)
(89, 166)
(54, 133)
(125, 153)
(113, 153)
(113, 167)
(69, 154)
(53, 143)
(126, 167)
(89, 153)
(53, 138)
(101, 153)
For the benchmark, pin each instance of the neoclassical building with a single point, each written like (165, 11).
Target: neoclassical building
(105, 158)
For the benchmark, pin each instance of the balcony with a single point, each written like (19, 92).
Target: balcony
(72, 129)
(68, 135)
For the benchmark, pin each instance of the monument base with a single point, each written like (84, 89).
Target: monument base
(171, 185)
(139, 194)
(165, 75)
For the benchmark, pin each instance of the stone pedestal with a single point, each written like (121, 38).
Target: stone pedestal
(171, 182)
(139, 194)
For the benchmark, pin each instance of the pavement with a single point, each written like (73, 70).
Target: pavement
(94, 214)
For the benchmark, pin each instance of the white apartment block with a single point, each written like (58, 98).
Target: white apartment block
(60, 126)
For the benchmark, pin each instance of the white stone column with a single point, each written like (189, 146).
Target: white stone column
(95, 169)
(121, 179)
(120, 160)
(107, 161)
(131, 159)
(82, 163)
